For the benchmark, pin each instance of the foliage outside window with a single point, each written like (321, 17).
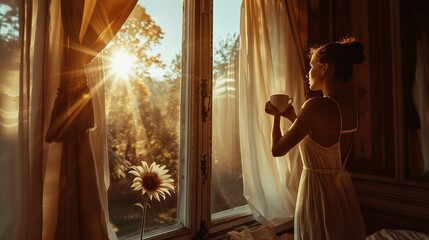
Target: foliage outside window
(142, 120)
(9, 26)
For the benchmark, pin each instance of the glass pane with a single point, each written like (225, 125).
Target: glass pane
(227, 182)
(142, 85)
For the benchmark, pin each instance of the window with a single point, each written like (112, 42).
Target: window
(154, 71)
(142, 86)
(227, 182)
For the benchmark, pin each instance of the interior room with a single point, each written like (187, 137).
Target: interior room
(144, 119)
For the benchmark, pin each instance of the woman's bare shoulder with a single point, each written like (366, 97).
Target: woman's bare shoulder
(319, 108)
(315, 104)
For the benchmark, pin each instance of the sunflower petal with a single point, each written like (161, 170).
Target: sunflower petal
(161, 193)
(134, 172)
(166, 191)
(155, 195)
(169, 180)
(140, 169)
(163, 172)
(167, 185)
(165, 176)
(135, 184)
(144, 165)
(151, 167)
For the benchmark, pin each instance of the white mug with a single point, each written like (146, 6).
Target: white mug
(281, 101)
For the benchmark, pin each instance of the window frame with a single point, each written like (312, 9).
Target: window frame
(201, 26)
(194, 213)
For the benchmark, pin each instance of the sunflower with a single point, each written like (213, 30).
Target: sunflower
(152, 180)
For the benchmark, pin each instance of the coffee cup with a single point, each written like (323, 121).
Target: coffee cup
(281, 101)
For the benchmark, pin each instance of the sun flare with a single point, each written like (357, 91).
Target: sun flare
(122, 63)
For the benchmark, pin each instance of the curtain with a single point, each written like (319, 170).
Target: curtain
(76, 180)
(271, 60)
(227, 174)
(421, 98)
(21, 127)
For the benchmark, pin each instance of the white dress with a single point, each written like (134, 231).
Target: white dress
(327, 206)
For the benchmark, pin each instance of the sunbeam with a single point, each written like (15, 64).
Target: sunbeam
(122, 64)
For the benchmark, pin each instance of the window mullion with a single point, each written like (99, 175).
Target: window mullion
(203, 30)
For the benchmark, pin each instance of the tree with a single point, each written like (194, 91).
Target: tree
(9, 26)
(142, 118)
(129, 100)
(223, 53)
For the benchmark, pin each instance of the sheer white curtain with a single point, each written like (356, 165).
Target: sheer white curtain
(271, 61)
(22, 91)
(98, 139)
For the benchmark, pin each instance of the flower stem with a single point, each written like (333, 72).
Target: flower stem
(146, 198)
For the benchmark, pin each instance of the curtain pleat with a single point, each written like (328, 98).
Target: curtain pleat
(88, 28)
(270, 62)
(79, 210)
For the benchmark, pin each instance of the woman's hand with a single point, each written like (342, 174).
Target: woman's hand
(271, 109)
(289, 113)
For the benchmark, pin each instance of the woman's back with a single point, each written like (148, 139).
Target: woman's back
(335, 120)
(327, 207)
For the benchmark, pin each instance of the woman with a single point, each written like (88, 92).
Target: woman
(326, 207)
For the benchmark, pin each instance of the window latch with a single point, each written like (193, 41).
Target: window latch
(205, 100)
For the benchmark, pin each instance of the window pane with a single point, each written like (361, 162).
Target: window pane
(142, 85)
(227, 184)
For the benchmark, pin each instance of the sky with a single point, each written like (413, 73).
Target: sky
(168, 15)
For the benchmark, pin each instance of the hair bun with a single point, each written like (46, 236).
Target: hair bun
(353, 51)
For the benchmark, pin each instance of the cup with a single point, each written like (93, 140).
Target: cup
(281, 101)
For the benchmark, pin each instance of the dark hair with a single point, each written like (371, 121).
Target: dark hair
(343, 54)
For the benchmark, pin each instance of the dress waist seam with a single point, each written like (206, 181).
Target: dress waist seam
(323, 171)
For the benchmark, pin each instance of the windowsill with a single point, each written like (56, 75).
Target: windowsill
(229, 220)
(162, 233)
(283, 231)
(232, 213)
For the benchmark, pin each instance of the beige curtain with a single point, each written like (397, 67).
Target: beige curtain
(272, 60)
(76, 179)
(21, 116)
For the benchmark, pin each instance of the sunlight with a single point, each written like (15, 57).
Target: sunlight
(156, 72)
(122, 63)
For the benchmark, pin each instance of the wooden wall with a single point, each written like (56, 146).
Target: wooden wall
(390, 196)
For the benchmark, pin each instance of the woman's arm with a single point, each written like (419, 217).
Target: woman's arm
(302, 125)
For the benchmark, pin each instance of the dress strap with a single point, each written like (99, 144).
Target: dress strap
(354, 130)
(354, 137)
(341, 118)
(357, 123)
